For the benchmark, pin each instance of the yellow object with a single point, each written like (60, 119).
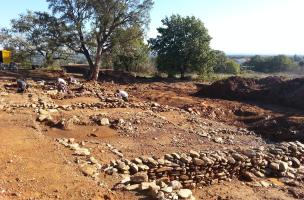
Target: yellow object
(6, 56)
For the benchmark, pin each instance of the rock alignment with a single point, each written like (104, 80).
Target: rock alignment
(197, 169)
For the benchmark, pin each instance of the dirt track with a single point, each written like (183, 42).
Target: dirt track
(34, 166)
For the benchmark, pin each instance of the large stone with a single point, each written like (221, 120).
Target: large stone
(133, 168)
(82, 152)
(147, 185)
(295, 162)
(194, 154)
(153, 190)
(198, 161)
(163, 169)
(143, 167)
(139, 177)
(176, 185)
(184, 193)
(238, 157)
(89, 170)
(104, 122)
(283, 167)
(274, 166)
(121, 166)
(248, 176)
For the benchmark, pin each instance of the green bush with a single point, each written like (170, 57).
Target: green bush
(229, 67)
(232, 67)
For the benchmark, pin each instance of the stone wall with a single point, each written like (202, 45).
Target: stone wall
(209, 167)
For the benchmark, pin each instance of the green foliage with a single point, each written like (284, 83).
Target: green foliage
(269, 64)
(133, 59)
(232, 67)
(220, 61)
(40, 31)
(91, 26)
(182, 46)
(132, 55)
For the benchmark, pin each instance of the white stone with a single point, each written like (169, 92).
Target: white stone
(184, 193)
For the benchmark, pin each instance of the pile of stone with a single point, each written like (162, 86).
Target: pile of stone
(197, 169)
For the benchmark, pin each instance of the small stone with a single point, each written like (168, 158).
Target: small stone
(283, 167)
(160, 195)
(274, 166)
(198, 161)
(184, 193)
(82, 152)
(176, 185)
(238, 157)
(295, 162)
(218, 140)
(147, 185)
(248, 176)
(132, 187)
(93, 160)
(167, 189)
(89, 170)
(139, 177)
(104, 122)
(133, 168)
(121, 166)
(153, 190)
(265, 184)
(126, 179)
(194, 154)
(143, 167)
(163, 169)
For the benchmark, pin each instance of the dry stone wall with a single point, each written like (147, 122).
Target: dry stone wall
(209, 167)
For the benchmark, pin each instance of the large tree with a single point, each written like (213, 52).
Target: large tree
(91, 25)
(131, 56)
(182, 46)
(41, 33)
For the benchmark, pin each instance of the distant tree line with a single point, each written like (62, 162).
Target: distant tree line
(279, 63)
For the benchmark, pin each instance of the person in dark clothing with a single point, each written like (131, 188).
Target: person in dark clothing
(21, 85)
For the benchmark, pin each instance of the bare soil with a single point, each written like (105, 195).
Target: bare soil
(34, 166)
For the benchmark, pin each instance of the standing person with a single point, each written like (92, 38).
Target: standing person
(122, 94)
(21, 85)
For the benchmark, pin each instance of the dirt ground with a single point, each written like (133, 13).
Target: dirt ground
(34, 166)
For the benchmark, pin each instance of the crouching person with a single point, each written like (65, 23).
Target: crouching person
(122, 94)
(62, 85)
(22, 86)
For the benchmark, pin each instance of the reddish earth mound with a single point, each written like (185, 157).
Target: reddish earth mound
(268, 90)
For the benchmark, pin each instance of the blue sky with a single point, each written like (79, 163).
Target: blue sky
(236, 26)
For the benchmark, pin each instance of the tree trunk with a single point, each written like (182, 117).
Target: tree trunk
(49, 61)
(95, 70)
(91, 64)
